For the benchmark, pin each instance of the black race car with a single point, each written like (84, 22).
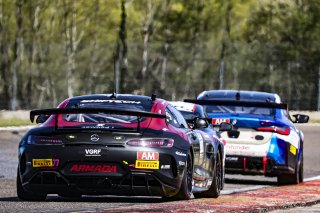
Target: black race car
(116, 145)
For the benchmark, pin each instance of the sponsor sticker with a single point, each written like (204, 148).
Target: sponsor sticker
(186, 107)
(217, 121)
(142, 164)
(92, 152)
(147, 155)
(181, 153)
(293, 150)
(165, 166)
(45, 162)
(231, 158)
(181, 163)
(111, 101)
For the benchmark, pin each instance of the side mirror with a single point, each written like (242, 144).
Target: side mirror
(299, 118)
(42, 118)
(228, 127)
(224, 126)
(200, 123)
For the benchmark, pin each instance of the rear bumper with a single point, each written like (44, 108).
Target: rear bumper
(113, 172)
(132, 184)
(255, 166)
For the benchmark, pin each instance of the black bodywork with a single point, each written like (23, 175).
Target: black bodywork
(99, 158)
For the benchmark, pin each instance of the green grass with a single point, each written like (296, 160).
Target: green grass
(314, 121)
(15, 122)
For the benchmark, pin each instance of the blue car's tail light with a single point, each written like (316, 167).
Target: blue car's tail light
(44, 140)
(151, 142)
(284, 130)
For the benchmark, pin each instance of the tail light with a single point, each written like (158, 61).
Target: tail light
(224, 141)
(284, 130)
(151, 142)
(44, 140)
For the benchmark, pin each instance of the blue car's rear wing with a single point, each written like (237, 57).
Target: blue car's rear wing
(239, 103)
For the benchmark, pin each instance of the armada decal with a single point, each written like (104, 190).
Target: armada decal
(93, 168)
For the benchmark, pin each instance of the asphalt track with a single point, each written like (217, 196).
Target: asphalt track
(241, 193)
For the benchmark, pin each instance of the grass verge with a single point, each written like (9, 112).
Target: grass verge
(15, 122)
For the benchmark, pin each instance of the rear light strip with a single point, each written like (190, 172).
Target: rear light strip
(151, 142)
(44, 140)
(280, 130)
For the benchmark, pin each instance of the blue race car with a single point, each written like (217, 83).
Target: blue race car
(267, 142)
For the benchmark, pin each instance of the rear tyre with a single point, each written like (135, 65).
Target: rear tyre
(214, 190)
(286, 179)
(301, 169)
(185, 192)
(25, 195)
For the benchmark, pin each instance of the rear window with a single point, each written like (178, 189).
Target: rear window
(90, 120)
(240, 110)
(190, 115)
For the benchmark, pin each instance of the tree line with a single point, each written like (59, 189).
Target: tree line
(51, 50)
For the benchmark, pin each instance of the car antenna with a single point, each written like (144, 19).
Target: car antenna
(238, 96)
(153, 97)
(114, 95)
(116, 75)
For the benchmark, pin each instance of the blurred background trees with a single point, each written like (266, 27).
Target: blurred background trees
(51, 50)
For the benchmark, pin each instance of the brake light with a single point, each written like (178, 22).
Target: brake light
(44, 140)
(280, 130)
(151, 142)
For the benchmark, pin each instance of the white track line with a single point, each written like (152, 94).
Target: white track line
(251, 188)
(311, 178)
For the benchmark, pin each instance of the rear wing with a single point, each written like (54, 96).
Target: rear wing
(239, 103)
(56, 111)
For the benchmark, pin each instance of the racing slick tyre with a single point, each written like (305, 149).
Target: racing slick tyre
(214, 190)
(286, 179)
(185, 192)
(25, 195)
(301, 169)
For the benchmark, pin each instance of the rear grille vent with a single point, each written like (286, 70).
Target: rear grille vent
(48, 178)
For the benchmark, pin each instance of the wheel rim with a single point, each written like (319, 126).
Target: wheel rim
(189, 174)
